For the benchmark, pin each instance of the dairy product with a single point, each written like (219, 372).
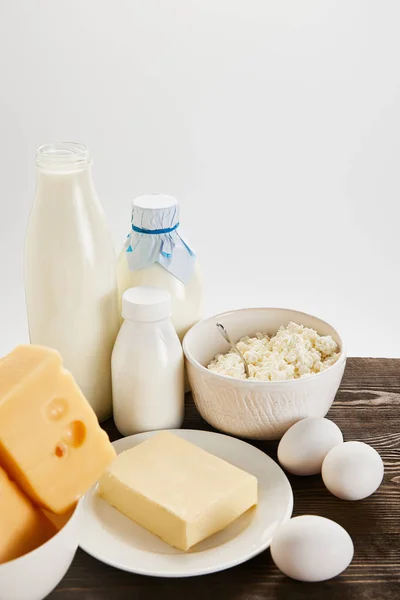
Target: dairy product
(50, 441)
(147, 365)
(70, 271)
(294, 351)
(22, 526)
(150, 258)
(176, 490)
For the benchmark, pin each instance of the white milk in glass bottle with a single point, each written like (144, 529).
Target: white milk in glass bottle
(70, 274)
(155, 254)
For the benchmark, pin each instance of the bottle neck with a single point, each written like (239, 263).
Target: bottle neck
(63, 157)
(63, 165)
(79, 175)
(59, 185)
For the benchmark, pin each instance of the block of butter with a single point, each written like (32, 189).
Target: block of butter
(51, 443)
(23, 527)
(177, 490)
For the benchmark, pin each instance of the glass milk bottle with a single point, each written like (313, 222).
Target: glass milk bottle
(155, 254)
(70, 275)
(147, 364)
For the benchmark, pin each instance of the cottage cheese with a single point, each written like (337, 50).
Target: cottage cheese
(293, 352)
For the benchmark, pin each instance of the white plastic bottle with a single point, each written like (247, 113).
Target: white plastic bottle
(70, 273)
(147, 364)
(156, 255)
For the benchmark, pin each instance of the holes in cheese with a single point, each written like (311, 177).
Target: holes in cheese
(56, 409)
(51, 443)
(74, 434)
(60, 450)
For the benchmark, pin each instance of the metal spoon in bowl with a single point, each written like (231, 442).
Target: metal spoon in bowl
(226, 337)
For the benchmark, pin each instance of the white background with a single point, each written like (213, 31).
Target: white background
(276, 124)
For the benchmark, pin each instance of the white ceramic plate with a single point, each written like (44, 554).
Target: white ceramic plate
(114, 539)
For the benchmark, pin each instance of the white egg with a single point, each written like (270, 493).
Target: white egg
(311, 548)
(304, 446)
(352, 471)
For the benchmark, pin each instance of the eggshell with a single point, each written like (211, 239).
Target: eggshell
(304, 446)
(311, 548)
(352, 471)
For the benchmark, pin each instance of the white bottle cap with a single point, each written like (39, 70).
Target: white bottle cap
(146, 304)
(154, 201)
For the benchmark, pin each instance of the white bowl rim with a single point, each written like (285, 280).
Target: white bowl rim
(72, 518)
(244, 382)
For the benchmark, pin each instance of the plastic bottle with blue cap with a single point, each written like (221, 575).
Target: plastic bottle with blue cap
(156, 253)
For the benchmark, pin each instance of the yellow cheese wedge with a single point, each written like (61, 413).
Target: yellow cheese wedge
(51, 443)
(177, 490)
(22, 526)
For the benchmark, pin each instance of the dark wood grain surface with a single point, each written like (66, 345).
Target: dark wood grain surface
(367, 408)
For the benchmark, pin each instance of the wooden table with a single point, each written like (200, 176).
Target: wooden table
(367, 408)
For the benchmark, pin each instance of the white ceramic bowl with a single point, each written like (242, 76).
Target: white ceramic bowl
(256, 409)
(34, 575)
